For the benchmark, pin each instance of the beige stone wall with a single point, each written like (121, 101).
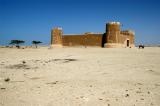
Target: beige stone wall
(113, 37)
(82, 40)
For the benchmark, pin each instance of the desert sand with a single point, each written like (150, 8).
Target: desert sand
(80, 77)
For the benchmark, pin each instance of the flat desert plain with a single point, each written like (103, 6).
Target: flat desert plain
(80, 77)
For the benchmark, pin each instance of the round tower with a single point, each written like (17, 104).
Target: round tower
(56, 37)
(112, 33)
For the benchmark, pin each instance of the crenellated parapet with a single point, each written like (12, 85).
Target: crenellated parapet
(127, 32)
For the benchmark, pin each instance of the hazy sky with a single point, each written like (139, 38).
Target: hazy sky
(33, 19)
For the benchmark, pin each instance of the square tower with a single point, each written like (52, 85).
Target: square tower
(56, 37)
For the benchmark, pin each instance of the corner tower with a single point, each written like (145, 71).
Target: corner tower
(112, 34)
(56, 37)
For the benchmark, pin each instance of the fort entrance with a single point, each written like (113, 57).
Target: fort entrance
(127, 43)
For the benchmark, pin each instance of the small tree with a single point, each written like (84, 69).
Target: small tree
(36, 43)
(17, 42)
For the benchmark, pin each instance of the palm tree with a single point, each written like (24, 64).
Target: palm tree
(36, 42)
(17, 42)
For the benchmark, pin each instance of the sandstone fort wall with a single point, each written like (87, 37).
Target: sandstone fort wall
(113, 37)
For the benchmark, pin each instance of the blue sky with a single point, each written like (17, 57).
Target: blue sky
(33, 19)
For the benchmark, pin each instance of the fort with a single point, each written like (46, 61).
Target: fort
(113, 37)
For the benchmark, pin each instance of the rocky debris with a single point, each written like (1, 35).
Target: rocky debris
(90, 86)
(69, 60)
(100, 99)
(3, 88)
(17, 66)
(116, 99)
(138, 92)
(81, 96)
(7, 79)
(152, 104)
(63, 60)
(53, 82)
(54, 60)
(23, 62)
(127, 95)
(151, 70)
(20, 66)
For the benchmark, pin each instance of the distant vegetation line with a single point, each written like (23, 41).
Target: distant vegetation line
(17, 43)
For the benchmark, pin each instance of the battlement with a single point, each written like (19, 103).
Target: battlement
(114, 23)
(128, 32)
(57, 28)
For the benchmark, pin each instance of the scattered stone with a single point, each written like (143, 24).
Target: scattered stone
(127, 95)
(109, 105)
(152, 104)
(142, 99)
(151, 70)
(23, 62)
(3, 88)
(100, 99)
(157, 84)
(65, 60)
(53, 82)
(81, 96)
(90, 86)
(7, 79)
(138, 92)
(148, 92)
(20, 66)
(17, 66)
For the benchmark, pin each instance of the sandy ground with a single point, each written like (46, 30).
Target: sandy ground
(80, 77)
